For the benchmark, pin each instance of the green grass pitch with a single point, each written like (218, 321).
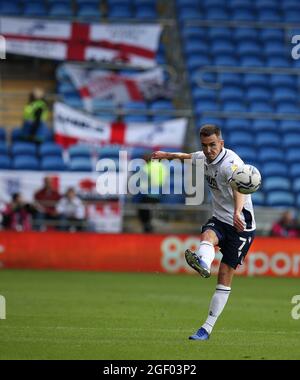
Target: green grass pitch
(76, 315)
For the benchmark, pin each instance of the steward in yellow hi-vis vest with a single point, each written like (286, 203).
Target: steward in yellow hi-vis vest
(36, 113)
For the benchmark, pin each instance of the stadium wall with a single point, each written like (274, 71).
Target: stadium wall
(136, 253)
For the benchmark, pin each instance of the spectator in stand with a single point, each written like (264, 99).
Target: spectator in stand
(35, 115)
(18, 214)
(46, 201)
(71, 211)
(286, 226)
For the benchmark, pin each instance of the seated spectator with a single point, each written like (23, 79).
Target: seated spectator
(286, 226)
(35, 115)
(18, 214)
(46, 200)
(71, 211)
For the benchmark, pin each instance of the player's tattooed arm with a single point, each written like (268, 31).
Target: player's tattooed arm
(239, 200)
(170, 156)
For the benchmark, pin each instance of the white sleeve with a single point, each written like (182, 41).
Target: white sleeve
(197, 156)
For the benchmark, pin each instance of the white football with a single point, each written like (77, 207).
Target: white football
(246, 179)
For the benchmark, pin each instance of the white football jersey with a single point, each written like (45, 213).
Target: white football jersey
(217, 174)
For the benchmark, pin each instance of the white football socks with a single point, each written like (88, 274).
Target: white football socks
(206, 252)
(216, 306)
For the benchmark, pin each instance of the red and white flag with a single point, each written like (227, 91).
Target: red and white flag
(134, 45)
(72, 126)
(118, 88)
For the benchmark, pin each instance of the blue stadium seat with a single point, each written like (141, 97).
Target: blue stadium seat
(291, 140)
(231, 79)
(52, 163)
(280, 199)
(260, 106)
(50, 149)
(287, 126)
(136, 119)
(268, 4)
(277, 61)
(274, 169)
(25, 162)
(89, 11)
(294, 170)
(219, 33)
(5, 162)
(135, 106)
(120, 12)
(231, 93)
(162, 105)
(23, 148)
(268, 139)
(281, 80)
(274, 48)
(243, 15)
(246, 153)
(221, 47)
(190, 13)
(17, 134)
(264, 125)
(197, 61)
(291, 16)
(109, 151)
(256, 80)
(195, 47)
(247, 48)
(195, 32)
(258, 94)
(204, 94)
(9, 8)
(285, 95)
(292, 155)
(269, 15)
(271, 154)
(236, 139)
(237, 124)
(245, 34)
(287, 108)
(251, 61)
(276, 183)
(234, 106)
(81, 164)
(296, 186)
(207, 105)
(271, 34)
(225, 60)
(3, 148)
(138, 152)
(60, 10)
(35, 8)
(216, 13)
(146, 13)
(79, 151)
(258, 198)
(297, 203)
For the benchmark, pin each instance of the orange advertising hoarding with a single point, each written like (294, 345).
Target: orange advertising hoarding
(136, 253)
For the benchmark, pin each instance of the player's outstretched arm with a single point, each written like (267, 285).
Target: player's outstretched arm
(239, 200)
(170, 156)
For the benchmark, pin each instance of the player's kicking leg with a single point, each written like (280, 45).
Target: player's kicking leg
(202, 260)
(217, 303)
